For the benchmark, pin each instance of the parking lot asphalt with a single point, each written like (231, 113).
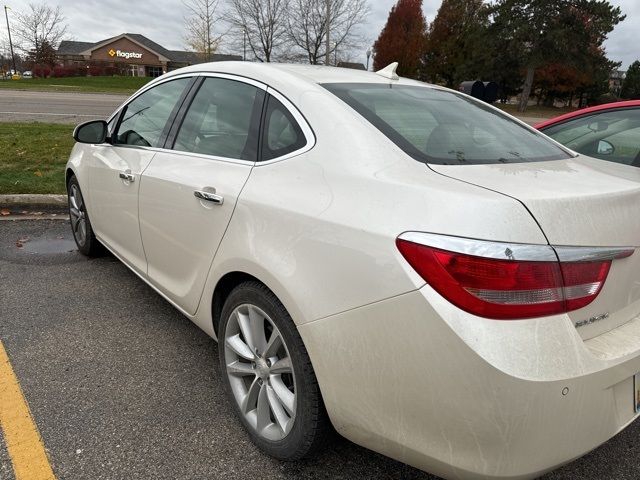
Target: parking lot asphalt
(56, 107)
(121, 385)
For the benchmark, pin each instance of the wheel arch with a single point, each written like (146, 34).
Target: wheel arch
(68, 174)
(223, 288)
(229, 272)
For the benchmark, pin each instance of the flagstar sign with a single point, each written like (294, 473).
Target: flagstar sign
(127, 55)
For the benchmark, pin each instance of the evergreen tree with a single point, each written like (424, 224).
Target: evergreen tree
(456, 47)
(631, 85)
(46, 55)
(548, 31)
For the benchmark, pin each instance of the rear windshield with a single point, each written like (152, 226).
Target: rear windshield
(443, 127)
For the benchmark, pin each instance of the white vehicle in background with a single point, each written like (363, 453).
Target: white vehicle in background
(440, 282)
(12, 74)
(27, 74)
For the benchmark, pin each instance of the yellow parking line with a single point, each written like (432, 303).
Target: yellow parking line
(21, 435)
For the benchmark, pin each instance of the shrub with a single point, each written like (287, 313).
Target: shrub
(95, 71)
(41, 71)
(605, 98)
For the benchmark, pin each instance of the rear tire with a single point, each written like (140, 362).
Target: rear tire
(81, 228)
(268, 375)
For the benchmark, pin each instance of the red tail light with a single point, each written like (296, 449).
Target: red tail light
(508, 288)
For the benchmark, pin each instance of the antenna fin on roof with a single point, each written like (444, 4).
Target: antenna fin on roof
(389, 71)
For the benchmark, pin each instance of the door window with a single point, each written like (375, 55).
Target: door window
(281, 134)
(610, 135)
(623, 147)
(222, 120)
(145, 118)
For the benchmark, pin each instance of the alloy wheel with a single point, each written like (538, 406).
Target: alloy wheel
(78, 215)
(260, 372)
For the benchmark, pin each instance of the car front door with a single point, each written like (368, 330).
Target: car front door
(612, 135)
(114, 169)
(187, 195)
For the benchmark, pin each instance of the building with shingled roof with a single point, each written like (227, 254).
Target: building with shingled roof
(130, 53)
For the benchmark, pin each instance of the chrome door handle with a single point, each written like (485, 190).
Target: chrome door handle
(209, 197)
(127, 176)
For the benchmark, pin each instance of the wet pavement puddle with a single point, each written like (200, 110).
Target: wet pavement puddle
(30, 246)
(44, 246)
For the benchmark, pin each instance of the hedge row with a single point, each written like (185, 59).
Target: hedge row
(92, 70)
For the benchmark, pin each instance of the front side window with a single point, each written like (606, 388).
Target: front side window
(443, 127)
(222, 120)
(145, 118)
(610, 135)
(281, 133)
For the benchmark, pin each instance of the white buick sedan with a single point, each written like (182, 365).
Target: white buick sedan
(434, 279)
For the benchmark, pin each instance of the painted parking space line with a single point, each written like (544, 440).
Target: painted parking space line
(21, 435)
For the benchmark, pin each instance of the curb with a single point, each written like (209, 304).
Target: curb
(50, 216)
(34, 200)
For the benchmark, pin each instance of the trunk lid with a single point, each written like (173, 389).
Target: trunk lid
(577, 202)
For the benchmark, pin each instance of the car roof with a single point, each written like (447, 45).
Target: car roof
(318, 74)
(587, 111)
(323, 74)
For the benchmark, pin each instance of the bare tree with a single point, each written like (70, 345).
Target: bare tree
(199, 22)
(264, 22)
(39, 29)
(307, 26)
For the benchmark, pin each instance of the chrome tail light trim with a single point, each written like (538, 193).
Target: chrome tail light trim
(483, 248)
(592, 254)
(517, 251)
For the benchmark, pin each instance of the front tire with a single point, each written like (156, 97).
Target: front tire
(83, 234)
(268, 375)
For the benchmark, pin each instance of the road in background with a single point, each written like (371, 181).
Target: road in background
(73, 108)
(121, 385)
(56, 107)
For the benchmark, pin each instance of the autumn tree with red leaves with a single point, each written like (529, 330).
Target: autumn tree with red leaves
(558, 80)
(402, 39)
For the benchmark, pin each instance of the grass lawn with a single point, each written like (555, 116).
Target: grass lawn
(33, 156)
(534, 110)
(125, 85)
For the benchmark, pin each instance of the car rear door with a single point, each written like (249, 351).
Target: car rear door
(114, 169)
(188, 193)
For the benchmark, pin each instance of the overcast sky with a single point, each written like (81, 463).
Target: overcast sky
(161, 20)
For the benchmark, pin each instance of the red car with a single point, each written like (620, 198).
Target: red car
(609, 132)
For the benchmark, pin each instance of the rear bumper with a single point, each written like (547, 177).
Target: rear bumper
(416, 379)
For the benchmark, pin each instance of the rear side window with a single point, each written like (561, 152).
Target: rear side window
(281, 134)
(145, 118)
(443, 127)
(222, 120)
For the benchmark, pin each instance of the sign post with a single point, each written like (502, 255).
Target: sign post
(13, 58)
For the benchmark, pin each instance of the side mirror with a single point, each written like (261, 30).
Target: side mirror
(605, 148)
(94, 131)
